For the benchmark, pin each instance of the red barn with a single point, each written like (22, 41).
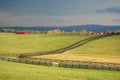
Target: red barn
(24, 32)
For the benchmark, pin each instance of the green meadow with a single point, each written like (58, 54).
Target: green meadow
(19, 71)
(106, 49)
(12, 43)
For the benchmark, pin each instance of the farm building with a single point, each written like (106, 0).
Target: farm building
(22, 32)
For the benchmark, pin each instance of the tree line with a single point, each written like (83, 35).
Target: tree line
(58, 31)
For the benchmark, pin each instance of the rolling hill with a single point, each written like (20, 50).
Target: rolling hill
(94, 28)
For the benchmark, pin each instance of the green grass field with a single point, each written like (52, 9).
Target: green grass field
(12, 43)
(19, 71)
(102, 50)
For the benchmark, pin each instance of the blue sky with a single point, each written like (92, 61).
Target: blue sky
(59, 12)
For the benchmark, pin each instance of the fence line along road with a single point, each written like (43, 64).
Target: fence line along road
(83, 64)
(27, 61)
(66, 63)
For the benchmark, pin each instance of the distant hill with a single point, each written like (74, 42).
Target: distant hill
(94, 28)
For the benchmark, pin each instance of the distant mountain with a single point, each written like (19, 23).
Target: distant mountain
(94, 28)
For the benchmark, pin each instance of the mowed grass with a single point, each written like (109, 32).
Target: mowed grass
(19, 71)
(12, 43)
(102, 50)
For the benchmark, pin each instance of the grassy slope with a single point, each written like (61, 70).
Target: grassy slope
(103, 50)
(12, 43)
(19, 71)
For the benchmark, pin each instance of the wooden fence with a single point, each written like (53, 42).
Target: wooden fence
(82, 64)
(67, 63)
(91, 65)
(27, 61)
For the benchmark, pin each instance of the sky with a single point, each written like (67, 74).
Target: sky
(59, 12)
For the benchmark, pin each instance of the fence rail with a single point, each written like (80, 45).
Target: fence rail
(27, 61)
(66, 63)
(83, 64)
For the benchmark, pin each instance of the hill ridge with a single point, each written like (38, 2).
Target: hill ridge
(72, 46)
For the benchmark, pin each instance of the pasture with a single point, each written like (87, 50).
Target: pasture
(12, 43)
(18, 71)
(106, 49)
(102, 50)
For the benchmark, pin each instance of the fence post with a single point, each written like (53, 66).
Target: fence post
(117, 68)
(94, 66)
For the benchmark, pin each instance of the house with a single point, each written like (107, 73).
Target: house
(22, 32)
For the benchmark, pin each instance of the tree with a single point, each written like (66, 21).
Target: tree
(109, 32)
(1, 30)
(117, 31)
(83, 32)
(74, 32)
(56, 31)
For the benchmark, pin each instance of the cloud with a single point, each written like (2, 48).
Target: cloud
(3, 14)
(115, 9)
(68, 20)
(3, 17)
(116, 20)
